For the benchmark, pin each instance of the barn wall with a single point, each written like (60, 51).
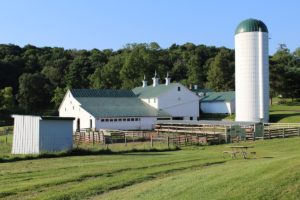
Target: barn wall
(217, 107)
(151, 101)
(26, 135)
(70, 107)
(56, 135)
(139, 123)
(183, 103)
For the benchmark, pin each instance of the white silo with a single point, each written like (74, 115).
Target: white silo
(252, 71)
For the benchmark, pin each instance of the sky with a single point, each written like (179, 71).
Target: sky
(111, 24)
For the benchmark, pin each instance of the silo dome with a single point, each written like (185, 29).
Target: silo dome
(252, 71)
(251, 25)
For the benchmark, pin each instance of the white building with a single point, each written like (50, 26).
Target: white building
(37, 134)
(218, 102)
(129, 110)
(252, 71)
(173, 98)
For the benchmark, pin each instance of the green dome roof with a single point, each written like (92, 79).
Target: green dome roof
(251, 25)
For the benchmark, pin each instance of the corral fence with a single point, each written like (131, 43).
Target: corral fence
(192, 133)
(281, 130)
(216, 132)
(108, 136)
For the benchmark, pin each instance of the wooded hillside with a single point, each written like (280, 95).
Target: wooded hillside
(34, 80)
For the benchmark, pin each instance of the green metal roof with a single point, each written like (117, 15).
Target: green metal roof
(119, 107)
(251, 25)
(150, 91)
(219, 96)
(101, 93)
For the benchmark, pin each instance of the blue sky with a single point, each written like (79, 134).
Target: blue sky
(102, 24)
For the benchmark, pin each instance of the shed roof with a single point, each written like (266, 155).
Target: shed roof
(219, 96)
(150, 91)
(119, 107)
(45, 117)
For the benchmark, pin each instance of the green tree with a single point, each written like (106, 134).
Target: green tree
(109, 75)
(7, 102)
(221, 72)
(58, 96)
(33, 92)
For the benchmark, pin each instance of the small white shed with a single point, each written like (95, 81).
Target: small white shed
(37, 134)
(218, 102)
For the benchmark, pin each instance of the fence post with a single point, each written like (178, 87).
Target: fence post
(168, 139)
(125, 141)
(6, 135)
(93, 138)
(283, 132)
(151, 137)
(103, 138)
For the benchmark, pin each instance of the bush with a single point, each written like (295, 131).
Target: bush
(282, 101)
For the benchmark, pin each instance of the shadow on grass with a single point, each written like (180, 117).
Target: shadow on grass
(84, 152)
(275, 117)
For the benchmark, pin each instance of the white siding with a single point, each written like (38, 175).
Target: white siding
(152, 102)
(56, 135)
(144, 123)
(26, 135)
(32, 135)
(70, 107)
(183, 103)
(218, 107)
(249, 55)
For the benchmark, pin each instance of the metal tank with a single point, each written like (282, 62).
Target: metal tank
(252, 71)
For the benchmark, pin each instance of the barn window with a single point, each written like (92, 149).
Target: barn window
(106, 120)
(191, 118)
(132, 119)
(136, 119)
(73, 107)
(178, 89)
(65, 109)
(124, 119)
(115, 120)
(128, 119)
(102, 120)
(119, 119)
(111, 120)
(70, 102)
(91, 123)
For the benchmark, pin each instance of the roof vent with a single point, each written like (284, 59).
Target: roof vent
(155, 80)
(168, 79)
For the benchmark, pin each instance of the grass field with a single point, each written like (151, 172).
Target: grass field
(191, 173)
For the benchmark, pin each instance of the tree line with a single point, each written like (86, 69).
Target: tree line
(34, 80)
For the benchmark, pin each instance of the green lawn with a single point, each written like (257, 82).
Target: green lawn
(191, 173)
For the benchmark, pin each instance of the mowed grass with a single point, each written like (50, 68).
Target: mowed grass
(191, 173)
(287, 113)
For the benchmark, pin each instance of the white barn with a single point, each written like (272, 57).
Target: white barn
(173, 98)
(218, 103)
(129, 110)
(108, 109)
(37, 134)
